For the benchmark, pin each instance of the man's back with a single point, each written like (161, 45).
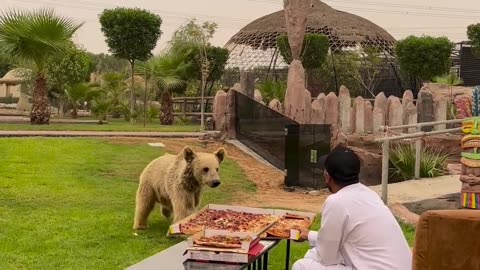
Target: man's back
(372, 238)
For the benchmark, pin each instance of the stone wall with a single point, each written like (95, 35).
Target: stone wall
(356, 116)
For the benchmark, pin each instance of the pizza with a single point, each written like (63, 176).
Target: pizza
(286, 223)
(221, 241)
(228, 220)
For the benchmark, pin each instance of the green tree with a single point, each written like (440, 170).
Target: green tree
(313, 56)
(131, 34)
(425, 57)
(105, 63)
(473, 34)
(77, 93)
(167, 73)
(364, 66)
(36, 36)
(114, 87)
(199, 35)
(66, 70)
(217, 57)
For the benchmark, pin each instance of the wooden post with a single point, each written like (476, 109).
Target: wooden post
(418, 150)
(184, 108)
(385, 162)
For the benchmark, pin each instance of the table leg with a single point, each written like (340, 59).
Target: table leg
(265, 261)
(287, 260)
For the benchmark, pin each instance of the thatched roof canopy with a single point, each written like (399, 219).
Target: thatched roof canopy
(13, 77)
(343, 30)
(339, 26)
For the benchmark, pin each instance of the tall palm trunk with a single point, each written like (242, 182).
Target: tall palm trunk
(166, 108)
(40, 114)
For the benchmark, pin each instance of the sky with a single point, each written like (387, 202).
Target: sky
(400, 18)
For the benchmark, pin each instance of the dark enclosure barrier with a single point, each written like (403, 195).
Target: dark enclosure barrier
(469, 66)
(305, 145)
(283, 142)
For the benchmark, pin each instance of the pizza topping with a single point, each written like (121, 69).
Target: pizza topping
(227, 220)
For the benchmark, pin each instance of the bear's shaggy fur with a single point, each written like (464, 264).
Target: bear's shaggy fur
(176, 183)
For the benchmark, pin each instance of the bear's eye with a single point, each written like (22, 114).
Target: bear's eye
(217, 169)
(205, 169)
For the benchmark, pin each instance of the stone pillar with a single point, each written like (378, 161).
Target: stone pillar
(410, 116)
(308, 107)
(247, 83)
(359, 115)
(220, 110)
(295, 96)
(322, 104)
(321, 95)
(296, 12)
(425, 109)
(381, 104)
(318, 114)
(230, 117)
(378, 120)
(368, 117)
(440, 112)
(257, 95)
(395, 113)
(331, 113)
(345, 110)
(407, 98)
(276, 105)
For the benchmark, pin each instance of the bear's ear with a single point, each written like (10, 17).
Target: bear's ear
(220, 154)
(188, 154)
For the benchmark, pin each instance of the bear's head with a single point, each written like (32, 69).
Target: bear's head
(205, 166)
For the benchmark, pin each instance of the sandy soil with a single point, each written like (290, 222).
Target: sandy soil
(269, 181)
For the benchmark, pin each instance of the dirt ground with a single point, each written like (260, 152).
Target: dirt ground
(269, 181)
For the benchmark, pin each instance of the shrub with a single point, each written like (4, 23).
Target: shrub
(424, 57)
(271, 89)
(432, 161)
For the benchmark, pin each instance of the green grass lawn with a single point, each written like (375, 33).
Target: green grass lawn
(113, 125)
(69, 204)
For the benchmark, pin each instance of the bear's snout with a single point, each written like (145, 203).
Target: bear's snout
(214, 183)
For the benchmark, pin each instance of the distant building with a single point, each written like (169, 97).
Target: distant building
(10, 84)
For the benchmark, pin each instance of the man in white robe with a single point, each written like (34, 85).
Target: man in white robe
(358, 231)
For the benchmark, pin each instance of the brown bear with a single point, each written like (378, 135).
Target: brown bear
(176, 183)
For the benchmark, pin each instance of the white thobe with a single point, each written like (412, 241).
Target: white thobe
(358, 232)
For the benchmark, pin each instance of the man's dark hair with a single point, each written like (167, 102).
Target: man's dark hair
(343, 165)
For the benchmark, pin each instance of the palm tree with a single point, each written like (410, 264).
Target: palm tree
(35, 36)
(75, 94)
(167, 73)
(115, 88)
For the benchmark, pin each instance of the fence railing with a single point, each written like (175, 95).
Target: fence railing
(418, 146)
(191, 106)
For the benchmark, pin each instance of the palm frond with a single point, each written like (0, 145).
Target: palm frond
(35, 35)
(77, 92)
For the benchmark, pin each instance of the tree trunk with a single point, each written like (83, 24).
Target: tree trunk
(40, 114)
(74, 111)
(61, 105)
(202, 104)
(132, 94)
(166, 108)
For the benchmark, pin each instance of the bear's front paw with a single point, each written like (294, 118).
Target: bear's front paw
(139, 227)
